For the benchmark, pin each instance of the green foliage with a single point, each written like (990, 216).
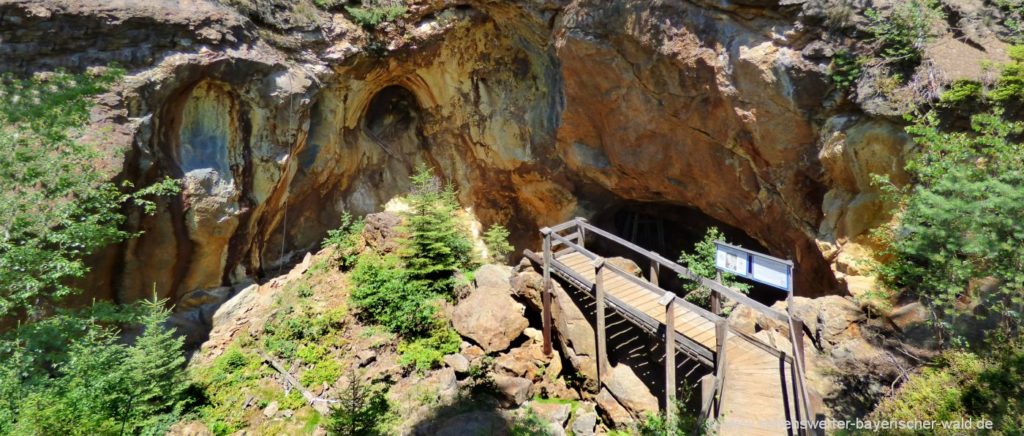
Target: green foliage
(362, 409)
(496, 240)
(373, 12)
(427, 353)
(437, 245)
(702, 262)
(962, 385)
(400, 291)
(530, 424)
(963, 220)
(327, 4)
(685, 422)
(845, 69)
(325, 371)
(900, 37)
(286, 331)
(1013, 18)
(94, 384)
(385, 294)
(227, 382)
(345, 240)
(54, 210)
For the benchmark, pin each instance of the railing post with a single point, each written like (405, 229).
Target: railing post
(798, 327)
(581, 229)
(546, 292)
(669, 301)
(602, 347)
(721, 336)
(716, 299)
(655, 268)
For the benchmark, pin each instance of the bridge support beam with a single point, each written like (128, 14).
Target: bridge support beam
(546, 292)
(602, 344)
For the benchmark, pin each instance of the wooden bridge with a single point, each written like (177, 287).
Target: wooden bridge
(754, 388)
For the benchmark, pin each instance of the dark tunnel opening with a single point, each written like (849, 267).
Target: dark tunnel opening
(391, 113)
(669, 229)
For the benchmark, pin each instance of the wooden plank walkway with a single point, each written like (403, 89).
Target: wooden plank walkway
(757, 388)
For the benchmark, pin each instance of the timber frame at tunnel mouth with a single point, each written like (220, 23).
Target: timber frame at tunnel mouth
(750, 379)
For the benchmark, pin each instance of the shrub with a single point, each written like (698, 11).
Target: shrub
(702, 262)
(900, 37)
(427, 353)
(385, 294)
(496, 240)
(845, 69)
(345, 240)
(362, 409)
(962, 385)
(324, 371)
(373, 12)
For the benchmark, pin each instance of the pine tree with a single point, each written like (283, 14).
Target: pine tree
(156, 362)
(437, 246)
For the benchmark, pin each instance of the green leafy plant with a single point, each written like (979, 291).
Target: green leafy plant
(345, 240)
(427, 353)
(846, 69)
(962, 221)
(496, 240)
(385, 294)
(54, 211)
(701, 261)
(373, 12)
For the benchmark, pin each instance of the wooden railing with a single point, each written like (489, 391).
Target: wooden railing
(556, 244)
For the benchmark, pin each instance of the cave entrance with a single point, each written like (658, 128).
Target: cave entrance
(393, 113)
(669, 229)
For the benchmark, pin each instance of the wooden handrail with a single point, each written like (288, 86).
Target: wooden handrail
(685, 272)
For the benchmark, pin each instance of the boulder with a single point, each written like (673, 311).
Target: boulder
(575, 334)
(515, 390)
(490, 317)
(365, 357)
(615, 414)
(457, 362)
(626, 265)
(555, 413)
(496, 276)
(630, 391)
(271, 409)
(381, 231)
(189, 428)
(481, 422)
(584, 424)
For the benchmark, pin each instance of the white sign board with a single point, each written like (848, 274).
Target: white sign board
(754, 266)
(731, 260)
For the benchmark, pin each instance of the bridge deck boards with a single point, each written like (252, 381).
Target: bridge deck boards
(758, 386)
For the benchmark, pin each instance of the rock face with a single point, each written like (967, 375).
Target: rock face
(277, 120)
(631, 392)
(490, 317)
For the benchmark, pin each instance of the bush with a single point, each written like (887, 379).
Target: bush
(961, 386)
(702, 262)
(386, 295)
(963, 220)
(846, 69)
(900, 37)
(496, 240)
(373, 12)
(96, 385)
(345, 240)
(362, 409)
(428, 353)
